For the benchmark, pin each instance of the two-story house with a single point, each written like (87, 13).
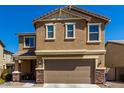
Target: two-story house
(66, 47)
(6, 59)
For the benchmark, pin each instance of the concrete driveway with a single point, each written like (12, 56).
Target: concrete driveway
(46, 85)
(52, 85)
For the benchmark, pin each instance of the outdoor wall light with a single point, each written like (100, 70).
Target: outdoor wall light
(20, 61)
(39, 62)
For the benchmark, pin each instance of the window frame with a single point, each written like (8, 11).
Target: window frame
(99, 33)
(25, 41)
(66, 34)
(54, 32)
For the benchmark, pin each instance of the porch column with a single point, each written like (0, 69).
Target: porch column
(16, 74)
(40, 71)
(99, 73)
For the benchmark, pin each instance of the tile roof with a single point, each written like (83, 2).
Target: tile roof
(25, 53)
(116, 41)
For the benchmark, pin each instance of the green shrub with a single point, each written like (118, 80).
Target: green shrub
(1, 81)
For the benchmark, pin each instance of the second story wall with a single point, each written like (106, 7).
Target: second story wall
(21, 43)
(60, 43)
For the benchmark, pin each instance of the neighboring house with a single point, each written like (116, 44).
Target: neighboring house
(1, 54)
(6, 58)
(66, 47)
(115, 59)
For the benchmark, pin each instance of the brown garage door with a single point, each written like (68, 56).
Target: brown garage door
(69, 71)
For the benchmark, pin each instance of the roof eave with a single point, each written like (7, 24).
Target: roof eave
(23, 34)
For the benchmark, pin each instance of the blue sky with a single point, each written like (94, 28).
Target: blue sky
(15, 19)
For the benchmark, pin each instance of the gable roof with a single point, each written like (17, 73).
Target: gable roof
(73, 10)
(120, 42)
(71, 15)
(2, 43)
(89, 12)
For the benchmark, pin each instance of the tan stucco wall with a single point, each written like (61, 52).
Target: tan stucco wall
(25, 67)
(99, 59)
(114, 55)
(21, 44)
(60, 43)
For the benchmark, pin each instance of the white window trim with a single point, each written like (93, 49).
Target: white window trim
(66, 34)
(29, 46)
(94, 41)
(54, 31)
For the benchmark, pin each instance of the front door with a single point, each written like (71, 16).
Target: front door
(28, 69)
(33, 65)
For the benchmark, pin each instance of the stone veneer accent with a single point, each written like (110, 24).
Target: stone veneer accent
(100, 76)
(16, 76)
(39, 75)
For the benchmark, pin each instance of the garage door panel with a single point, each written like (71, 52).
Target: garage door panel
(84, 68)
(69, 71)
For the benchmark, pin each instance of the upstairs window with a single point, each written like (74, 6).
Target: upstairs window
(50, 31)
(70, 30)
(29, 41)
(94, 32)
